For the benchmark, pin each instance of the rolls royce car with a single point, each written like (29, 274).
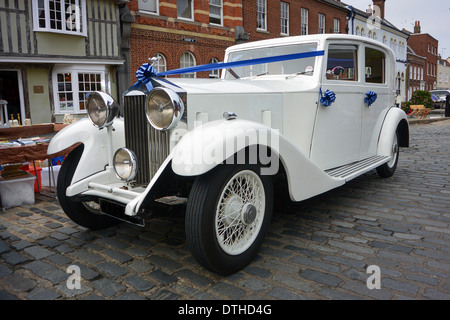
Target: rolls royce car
(309, 113)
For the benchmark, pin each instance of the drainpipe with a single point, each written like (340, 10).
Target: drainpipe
(351, 17)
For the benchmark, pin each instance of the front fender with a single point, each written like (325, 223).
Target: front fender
(395, 119)
(95, 153)
(217, 142)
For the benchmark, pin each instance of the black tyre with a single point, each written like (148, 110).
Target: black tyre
(387, 170)
(85, 214)
(227, 216)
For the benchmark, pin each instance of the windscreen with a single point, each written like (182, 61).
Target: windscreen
(298, 66)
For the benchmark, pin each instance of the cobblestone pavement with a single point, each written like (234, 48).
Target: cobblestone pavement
(318, 249)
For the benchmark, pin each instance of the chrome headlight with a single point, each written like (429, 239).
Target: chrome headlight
(102, 109)
(125, 164)
(164, 108)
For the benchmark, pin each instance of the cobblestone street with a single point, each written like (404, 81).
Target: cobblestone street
(317, 249)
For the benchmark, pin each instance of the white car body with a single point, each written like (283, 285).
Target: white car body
(319, 147)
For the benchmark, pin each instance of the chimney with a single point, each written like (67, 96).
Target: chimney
(380, 10)
(369, 10)
(417, 27)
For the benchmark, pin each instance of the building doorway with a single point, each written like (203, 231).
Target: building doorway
(11, 90)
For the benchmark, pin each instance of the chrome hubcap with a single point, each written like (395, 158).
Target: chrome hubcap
(240, 212)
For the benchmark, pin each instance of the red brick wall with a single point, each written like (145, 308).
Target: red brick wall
(166, 34)
(419, 43)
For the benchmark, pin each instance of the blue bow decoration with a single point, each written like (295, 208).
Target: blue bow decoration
(144, 75)
(370, 98)
(327, 98)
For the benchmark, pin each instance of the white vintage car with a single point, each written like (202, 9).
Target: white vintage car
(313, 112)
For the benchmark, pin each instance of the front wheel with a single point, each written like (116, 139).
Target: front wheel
(387, 170)
(227, 216)
(86, 214)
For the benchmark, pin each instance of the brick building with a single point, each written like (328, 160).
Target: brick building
(265, 19)
(415, 72)
(183, 33)
(426, 46)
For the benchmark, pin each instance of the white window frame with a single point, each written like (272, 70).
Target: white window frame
(144, 10)
(81, 4)
(261, 15)
(220, 6)
(304, 13)
(192, 11)
(214, 74)
(337, 25)
(284, 17)
(183, 64)
(74, 70)
(321, 24)
(161, 64)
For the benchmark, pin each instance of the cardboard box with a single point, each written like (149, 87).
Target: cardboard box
(45, 177)
(16, 191)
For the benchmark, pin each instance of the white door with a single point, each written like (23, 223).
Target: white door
(376, 81)
(337, 132)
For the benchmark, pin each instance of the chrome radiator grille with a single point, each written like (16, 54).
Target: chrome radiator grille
(150, 145)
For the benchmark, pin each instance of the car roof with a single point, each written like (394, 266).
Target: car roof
(303, 39)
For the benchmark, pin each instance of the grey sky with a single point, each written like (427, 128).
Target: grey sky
(434, 17)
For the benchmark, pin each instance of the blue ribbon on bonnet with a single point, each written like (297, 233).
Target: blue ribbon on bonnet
(146, 72)
(370, 98)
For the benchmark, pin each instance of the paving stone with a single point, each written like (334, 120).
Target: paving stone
(4, 247)
(42, 294)
(5, 271)
(14, 258)
(165, 295)
(7, 296)
(87, 256)
(112, 270)
(139, 283)
(195, 278)
(37, 252)
(281, 293)
(163, 277)
(320, 277)
(228, 290)
(18, 283)
(108, 288)
(255, 284)
(74, 293)
(118, 256)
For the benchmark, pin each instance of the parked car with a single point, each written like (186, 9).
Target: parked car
(441, 95)
(311, 111)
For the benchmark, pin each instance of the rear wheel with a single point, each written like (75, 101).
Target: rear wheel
(387, 170)
(84, 213)
(227, 216)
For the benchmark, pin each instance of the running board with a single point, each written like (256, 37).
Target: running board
(351, 171)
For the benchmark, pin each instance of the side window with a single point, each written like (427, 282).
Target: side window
(342, 63)
(375, 66)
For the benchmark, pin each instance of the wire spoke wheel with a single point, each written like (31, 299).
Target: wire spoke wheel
(227, 216)
(240, 212)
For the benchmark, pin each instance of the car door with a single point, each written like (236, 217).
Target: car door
(337, 131)
(376, 81)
